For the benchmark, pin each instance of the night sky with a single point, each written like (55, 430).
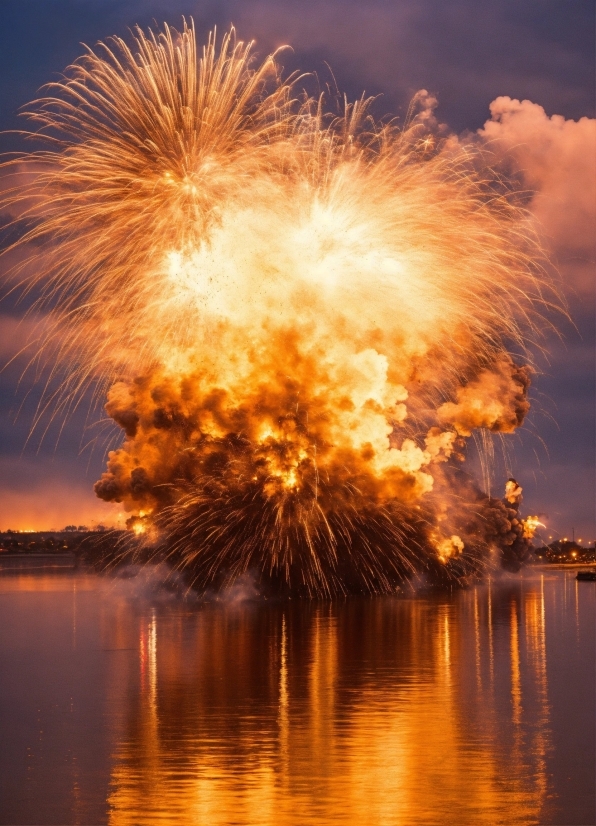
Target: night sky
(534, 61)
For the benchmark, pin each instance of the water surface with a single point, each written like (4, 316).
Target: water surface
(124, 705)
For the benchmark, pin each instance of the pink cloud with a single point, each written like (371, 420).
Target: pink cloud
(557, 158)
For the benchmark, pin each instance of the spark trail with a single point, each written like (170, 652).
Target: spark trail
(298, 318)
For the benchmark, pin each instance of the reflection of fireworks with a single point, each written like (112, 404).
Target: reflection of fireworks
(300, 318)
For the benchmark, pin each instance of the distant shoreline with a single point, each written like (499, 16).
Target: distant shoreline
(69, 560)
(561, 565)
(42, 562)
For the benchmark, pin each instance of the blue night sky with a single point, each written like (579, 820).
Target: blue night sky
(466, 53)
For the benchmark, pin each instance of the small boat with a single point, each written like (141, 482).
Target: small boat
(586, 576)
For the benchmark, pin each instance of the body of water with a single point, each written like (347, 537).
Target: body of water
(121, 703)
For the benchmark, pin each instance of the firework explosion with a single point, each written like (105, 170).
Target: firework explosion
(298, 319)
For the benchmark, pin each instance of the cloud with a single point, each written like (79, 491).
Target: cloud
(496, 400)
(557, 158)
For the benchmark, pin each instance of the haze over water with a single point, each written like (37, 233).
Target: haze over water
(123, 704)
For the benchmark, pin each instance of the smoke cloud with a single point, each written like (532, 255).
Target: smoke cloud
(496, 400)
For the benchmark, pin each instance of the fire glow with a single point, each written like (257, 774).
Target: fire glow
(298, 318)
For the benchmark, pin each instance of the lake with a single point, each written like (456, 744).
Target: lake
(123, 703)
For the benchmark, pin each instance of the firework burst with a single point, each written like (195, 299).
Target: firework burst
(298, 318)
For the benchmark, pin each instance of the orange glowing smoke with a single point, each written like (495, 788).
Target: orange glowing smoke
(298, 318)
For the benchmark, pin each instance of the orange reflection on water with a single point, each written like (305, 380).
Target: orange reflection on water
(515, 669)
(380, 711)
